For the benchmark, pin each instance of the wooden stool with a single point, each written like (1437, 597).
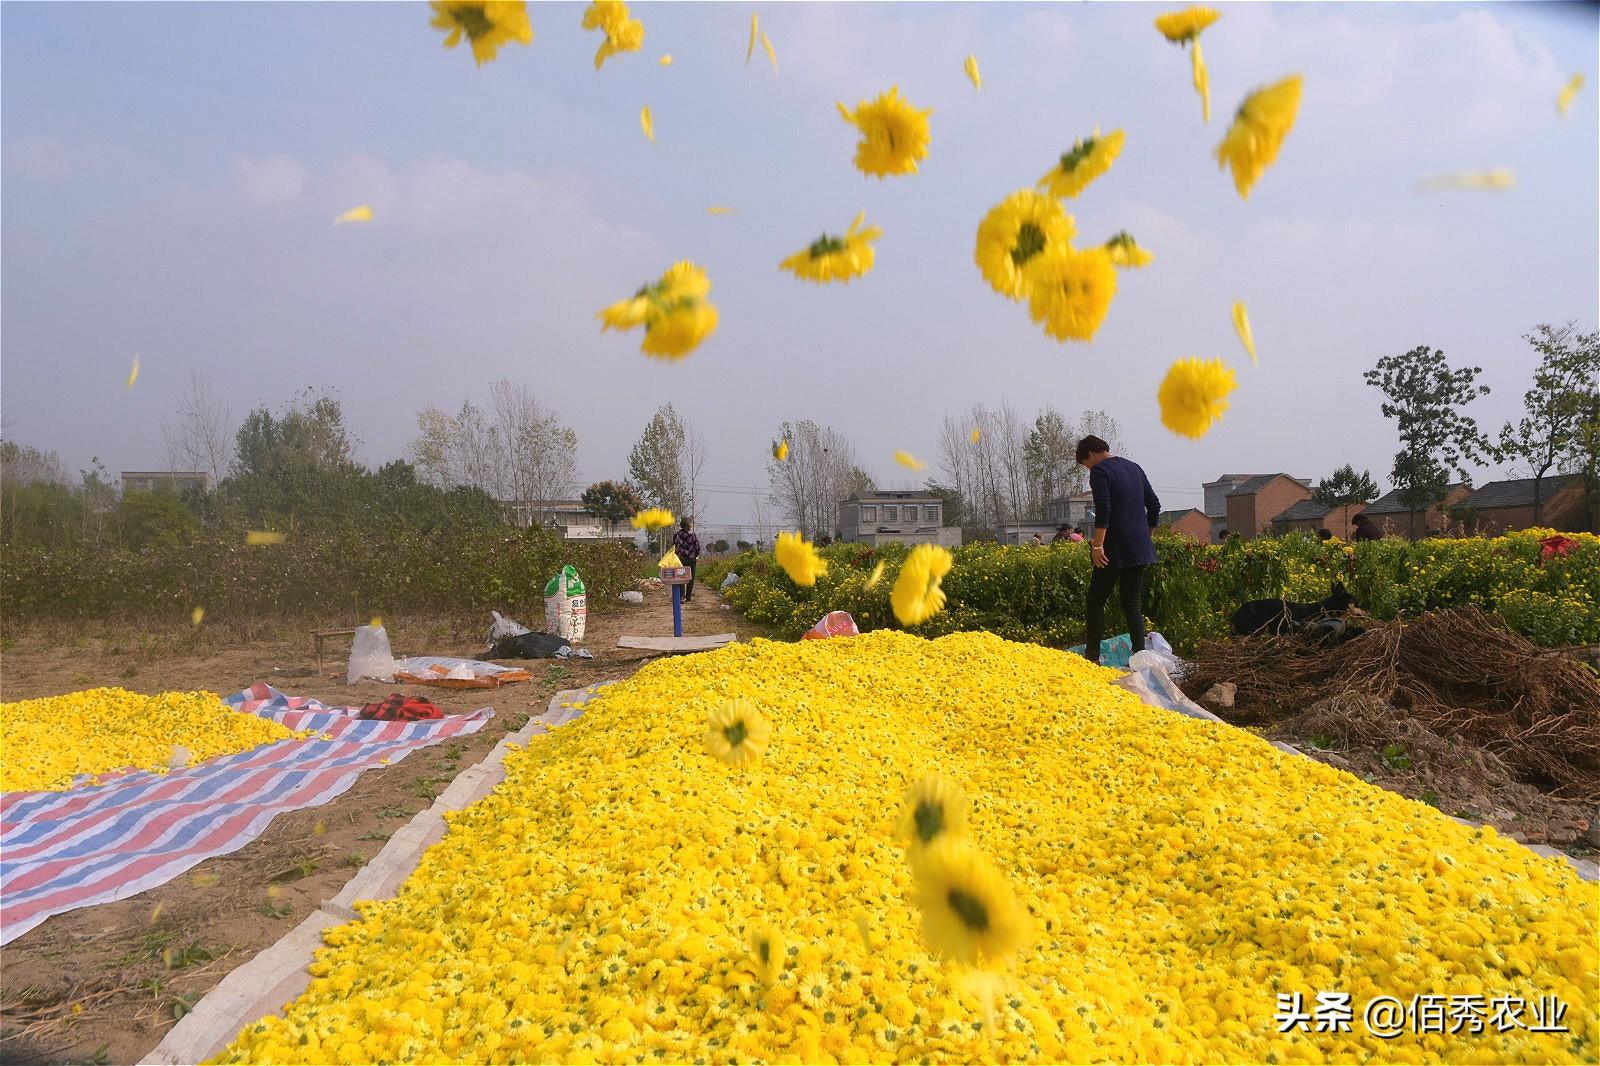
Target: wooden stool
(318, 634)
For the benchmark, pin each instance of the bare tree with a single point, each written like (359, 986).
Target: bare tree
(693, 464)
(820, 471)
(201, 436)
(517, 451)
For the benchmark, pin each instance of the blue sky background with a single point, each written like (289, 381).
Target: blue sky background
(170, 173)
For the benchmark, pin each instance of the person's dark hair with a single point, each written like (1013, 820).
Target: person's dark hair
(1361, 519)
(1324, 533)
(684, 522)
(1091, 445)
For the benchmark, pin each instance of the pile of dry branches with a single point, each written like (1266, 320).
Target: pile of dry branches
(1460, 673)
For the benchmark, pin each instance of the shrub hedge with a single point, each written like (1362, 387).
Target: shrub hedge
(341, 576)
(1036, 594)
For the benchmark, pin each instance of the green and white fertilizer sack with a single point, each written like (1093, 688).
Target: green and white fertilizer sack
(566, 606)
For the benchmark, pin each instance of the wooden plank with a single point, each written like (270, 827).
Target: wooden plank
(678, 644)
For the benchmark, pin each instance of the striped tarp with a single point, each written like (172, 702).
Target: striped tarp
(64, 850)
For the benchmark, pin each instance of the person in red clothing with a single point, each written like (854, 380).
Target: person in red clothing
(687, 545)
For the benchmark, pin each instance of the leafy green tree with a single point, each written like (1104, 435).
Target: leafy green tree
(1345, 488)
(1559, 409)
(1425, 397)
(154, 520)
(612, 502)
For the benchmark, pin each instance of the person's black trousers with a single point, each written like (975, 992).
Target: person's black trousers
(688, 590)
(1130, 580)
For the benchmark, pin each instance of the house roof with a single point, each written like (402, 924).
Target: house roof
(1169, 517)
(1076, 497)
(1259, 482)
(1389, 502)
(893, 496)
(1518, 493)
(1232, 479)
(1303, 510)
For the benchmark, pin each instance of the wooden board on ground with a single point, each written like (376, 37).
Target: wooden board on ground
(669, 645)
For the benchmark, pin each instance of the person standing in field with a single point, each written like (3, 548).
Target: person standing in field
(687, 545)
(1366, 528)
(1126, 513)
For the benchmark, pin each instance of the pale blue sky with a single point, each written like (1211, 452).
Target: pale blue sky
(171, 172)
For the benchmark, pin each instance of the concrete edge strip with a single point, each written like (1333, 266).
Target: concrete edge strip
(279, 973)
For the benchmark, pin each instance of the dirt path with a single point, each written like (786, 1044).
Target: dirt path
(104, 983)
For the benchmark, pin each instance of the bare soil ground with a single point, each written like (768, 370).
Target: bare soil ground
(104, 983)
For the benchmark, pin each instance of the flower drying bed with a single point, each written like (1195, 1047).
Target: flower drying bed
(1178, 874)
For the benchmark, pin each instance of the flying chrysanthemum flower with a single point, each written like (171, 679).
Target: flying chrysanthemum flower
(647, 123)
(969, 912)
(935, 809)
(909, 461)
(488, 24)
(653, 518)
(1194, 395)
(767, 952)
(679, 329)
(1181, 27)
(831, 258)
(1088, 158)
(876, 576)
(1262, 122)
(361, 213)
(1241, 326)
(780, 450)
(799, 559)
(1015, 231)
(737, 732)
(673, 310)
(1125, 251)
(918, 595)
(1070, 291)
(971, 67)
(623, 32)
(976, 435)
(894, 135)
(1569, 93)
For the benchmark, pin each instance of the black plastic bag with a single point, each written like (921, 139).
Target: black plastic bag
(535, 646)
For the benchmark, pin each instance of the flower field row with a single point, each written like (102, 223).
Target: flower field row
(629, 895)
(49, 742)
(1037, 593)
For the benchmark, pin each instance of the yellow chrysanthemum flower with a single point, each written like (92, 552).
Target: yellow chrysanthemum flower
(1569, 93)
(876, 576)
(780, 450)
(767, 952)
(832, 258)
(1018, 229)
(673, 310)
(1262, 122)
(1088, 158)
(1194, 395)
(1180, 27)
(971, 67)
(918, 595)
(360, 213)
(1070, 291)
(623, 32)
(969, 912)
(934, 809)
(737, 732)
(1125, 251)
(799, 559)
(1241, 326)
(976, 435)
(653, 518)
(683, 324)
(894, 135)
(488, 24)
(909, 461)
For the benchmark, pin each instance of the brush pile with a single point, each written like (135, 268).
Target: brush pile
(1459, 674)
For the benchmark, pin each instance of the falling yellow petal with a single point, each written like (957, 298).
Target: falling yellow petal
(864, 927)
(718, 209)
(156, 913)
(772, 57)
(647, 124)
(133, 375)
(376, 622)
(750, 49)
(665, 60)
(319, 829)
(197, 615)
(780, 451)
(362, 213)
(1241, 326)
(1202, 83)
(876, 575)
(205, 880)
(971, 67)
(909, 461)
(976, 436)
(274, 891)
(1499, 178)
(1569, 93)
(261, 536)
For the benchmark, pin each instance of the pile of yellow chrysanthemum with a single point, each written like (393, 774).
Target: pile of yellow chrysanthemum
(50, 742)
(629, 895)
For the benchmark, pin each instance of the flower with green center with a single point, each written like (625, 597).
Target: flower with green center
(1125, 251)
(831, 258)
(1014, 233)
(934, 809)
(737, 732)
(969, 912)
(487, 24)
(1087, 159)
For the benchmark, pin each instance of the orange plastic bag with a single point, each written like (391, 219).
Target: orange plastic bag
(833, 624)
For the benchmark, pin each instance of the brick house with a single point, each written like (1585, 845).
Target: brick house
(1253, 504)
(1216, 505)
(1394, 518)
(905, 516)
(1503, 506)
(1310, 516)
(176, 482)
(1191, 522)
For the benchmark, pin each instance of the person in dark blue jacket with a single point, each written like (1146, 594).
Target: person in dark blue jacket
(1126, 513)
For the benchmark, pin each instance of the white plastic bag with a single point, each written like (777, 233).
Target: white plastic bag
(505, 627)
(370, 656)
(729, 581)
(631, 597)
